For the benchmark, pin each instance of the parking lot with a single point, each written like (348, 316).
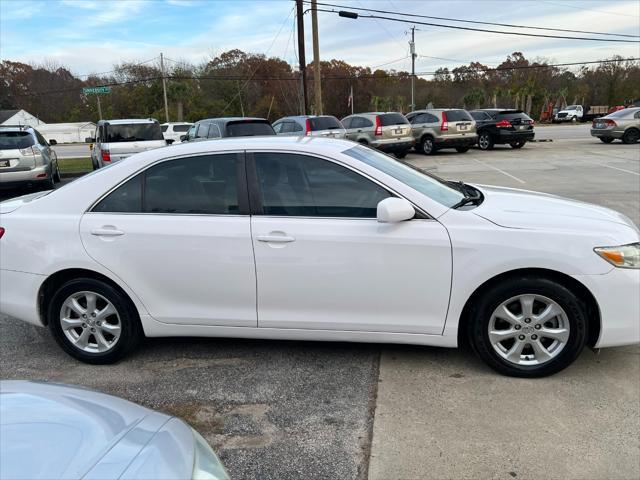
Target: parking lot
(285, 410)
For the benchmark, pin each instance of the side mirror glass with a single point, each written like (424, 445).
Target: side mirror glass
(53, 142)
(393, 210)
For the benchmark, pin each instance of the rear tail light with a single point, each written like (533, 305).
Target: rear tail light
(378, 126)
(307, 127)
(503, 124)
(444, 127)
(1, 232)
(106, 155)
(606, 121)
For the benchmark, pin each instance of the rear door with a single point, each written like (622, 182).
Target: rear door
(179, 235)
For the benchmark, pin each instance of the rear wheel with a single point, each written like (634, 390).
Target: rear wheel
(462, 149)
(606, 139)
(56, 174)
(400, 154)
(485, 142)
(631, 136)
(427, 146)
(93, 321)
(519, 144)
(528, 327)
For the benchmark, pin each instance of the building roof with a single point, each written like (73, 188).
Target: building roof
(7, 114)
(62, 126)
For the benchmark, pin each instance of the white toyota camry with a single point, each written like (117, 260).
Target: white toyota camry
(316, 239)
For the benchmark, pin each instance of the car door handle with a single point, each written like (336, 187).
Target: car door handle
(106, 232)
(275, 238)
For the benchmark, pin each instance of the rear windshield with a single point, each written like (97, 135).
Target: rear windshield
(458, 116)
(510, 115)
(14, 140)
(393, 119)
(247, 128)
(325, 123)
(181, 128)
(134, 132)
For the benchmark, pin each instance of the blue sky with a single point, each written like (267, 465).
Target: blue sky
(89, 36)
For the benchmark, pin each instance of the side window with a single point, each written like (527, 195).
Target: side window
(366, 122)
(277, 127)
(204, 185)
(202, 130)
(431, 118)
(214, 131)
(191, 133)
(637, 114)
(304, 186)
(478, 115)
(164, 128)
(296, 127)
(127, 198)
(40, 138)
(346, 123)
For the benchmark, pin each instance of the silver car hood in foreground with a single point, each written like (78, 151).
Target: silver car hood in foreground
(51, 431)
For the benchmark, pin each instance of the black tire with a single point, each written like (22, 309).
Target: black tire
(56, 173)
(427, 145)
(517, 145)
(485, 141)
(130, 333)
(400, 154)
(606, 139)
(462, 149)
(94, 164)
(478, 328)
(574, 119)
(631, 136)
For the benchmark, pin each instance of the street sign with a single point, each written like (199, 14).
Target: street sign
(88, 90)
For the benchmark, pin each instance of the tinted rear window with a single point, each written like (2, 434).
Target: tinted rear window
(458, 116)
(248, 128)
(134, 132)
(181, 128)
(324, 123)
(513, 115)
(14, 140)
(393, 119)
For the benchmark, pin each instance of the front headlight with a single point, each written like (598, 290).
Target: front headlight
(206, 465)
(624, 256)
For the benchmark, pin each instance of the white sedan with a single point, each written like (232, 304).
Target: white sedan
(316, 239)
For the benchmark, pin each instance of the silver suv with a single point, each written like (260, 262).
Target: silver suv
(26, 159)
(386, 131)
(435, 129)
(309, 125)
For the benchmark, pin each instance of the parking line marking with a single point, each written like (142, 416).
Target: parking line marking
(609, 166)
(498, 170)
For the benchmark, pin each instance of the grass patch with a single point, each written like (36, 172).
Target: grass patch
(68, 165)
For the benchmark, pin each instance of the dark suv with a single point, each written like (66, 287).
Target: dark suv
(502, 126)
(228, 127)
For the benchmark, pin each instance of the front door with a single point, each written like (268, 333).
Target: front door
(323, 261)
(179, 235)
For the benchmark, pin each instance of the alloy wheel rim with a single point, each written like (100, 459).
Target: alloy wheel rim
(528, 329)
(427, 145)
(90, 322)
(484, 141)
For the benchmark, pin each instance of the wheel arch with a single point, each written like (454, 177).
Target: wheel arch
(59, 278)
(581, 291)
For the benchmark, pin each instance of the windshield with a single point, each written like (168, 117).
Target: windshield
(15, 140)
(134, 132)
(428, 185)
(571, 107)
(324, 123)
(248, 129)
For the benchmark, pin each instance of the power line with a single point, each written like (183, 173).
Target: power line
(415, 15)
(390, 62)
(583, 8)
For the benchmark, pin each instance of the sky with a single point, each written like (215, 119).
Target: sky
(90, 36)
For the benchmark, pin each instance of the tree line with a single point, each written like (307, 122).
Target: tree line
(240, 83)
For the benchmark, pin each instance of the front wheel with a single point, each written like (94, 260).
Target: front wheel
(93, 321)
(462, 149)
(516, 145)
(485, 142)
(606, 139)
(400, 154)
(528, 327)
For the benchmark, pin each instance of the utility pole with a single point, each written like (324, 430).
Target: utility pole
(164, 88)
(99, 107)
(316, 58)
(303, 62)
(412, 49)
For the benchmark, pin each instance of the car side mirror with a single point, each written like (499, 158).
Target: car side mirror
(53, 142)
(394, 210)
(169, 141)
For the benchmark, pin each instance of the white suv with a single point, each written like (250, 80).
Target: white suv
(174, 131)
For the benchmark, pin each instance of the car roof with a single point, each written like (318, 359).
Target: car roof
(304, 117)
(127, 121)
(231, 119)
(176, 123)
(16, 128)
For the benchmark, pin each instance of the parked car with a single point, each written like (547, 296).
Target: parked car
(173, 131)
(496, 126)
(622, 124)
(116, 140)
(26, 159)
(61, 431)
(228, 127)
(387, 131)
(310, 126)
(435, 129)
(274, 238)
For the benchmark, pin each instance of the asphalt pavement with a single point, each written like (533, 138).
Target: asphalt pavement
(293, 410)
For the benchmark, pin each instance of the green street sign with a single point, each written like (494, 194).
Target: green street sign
(89, 90)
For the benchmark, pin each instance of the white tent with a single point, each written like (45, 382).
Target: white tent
(67, 132)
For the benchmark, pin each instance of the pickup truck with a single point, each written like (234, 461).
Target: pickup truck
(578, 113)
